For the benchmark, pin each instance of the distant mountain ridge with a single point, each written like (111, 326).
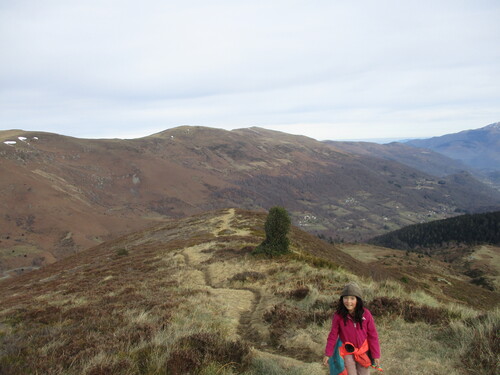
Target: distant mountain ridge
(61, 194)
(479, 149)
(425, 160)
(475, 151)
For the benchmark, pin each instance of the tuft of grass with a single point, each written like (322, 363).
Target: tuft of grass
(416, 349)
(478, 342)
(214, 368)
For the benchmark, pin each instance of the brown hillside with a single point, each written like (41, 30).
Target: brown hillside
(61, 194)
(186, 296)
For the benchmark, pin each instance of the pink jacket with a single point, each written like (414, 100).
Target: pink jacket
(351, 332)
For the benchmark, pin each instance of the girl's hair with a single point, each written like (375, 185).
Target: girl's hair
(358, 313)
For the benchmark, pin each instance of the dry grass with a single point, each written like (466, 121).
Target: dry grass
(183, 300)
(477, 342)
(416, 349)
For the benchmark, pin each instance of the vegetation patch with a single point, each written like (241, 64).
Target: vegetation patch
(409, 311)
(199, 350)
(248, 276)
(283, 317)
(313, 260)
(477, 342)
(122, 252)
(483, 352)
(299, 293)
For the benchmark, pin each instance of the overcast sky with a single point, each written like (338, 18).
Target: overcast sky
(332, 69)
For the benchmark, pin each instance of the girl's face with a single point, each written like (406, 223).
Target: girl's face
(350, 303)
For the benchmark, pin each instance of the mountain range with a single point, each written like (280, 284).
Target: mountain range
(60, 194)
(475, 151)
(478, 148)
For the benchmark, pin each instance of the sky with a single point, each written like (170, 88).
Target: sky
(332, 69)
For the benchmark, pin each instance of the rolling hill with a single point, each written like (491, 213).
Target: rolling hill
(186, 296)
(60, 194)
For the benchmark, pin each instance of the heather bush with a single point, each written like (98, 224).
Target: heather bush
(203, 349)
(409, 311)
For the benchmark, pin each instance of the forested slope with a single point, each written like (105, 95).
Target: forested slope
(470, 229)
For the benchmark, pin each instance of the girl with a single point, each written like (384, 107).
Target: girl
(353, 325)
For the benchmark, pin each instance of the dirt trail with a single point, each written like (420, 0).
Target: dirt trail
(245, 306)
(241, 303)
(223, 225)
(245, 328)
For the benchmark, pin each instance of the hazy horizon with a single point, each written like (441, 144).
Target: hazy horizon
(328, 70)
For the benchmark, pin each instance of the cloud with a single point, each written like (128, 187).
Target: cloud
(106, 68)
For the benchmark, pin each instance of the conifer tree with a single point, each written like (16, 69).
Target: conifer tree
(277, 227)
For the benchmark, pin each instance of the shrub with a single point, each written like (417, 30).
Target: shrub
(299, 293)
(385, 306)
(183, 361)
(483, 282)
(277, 227)
(121, 252)
(202, 349)
(282, 317)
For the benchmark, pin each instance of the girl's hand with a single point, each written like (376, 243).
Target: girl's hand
(377, 362)
(325, 360)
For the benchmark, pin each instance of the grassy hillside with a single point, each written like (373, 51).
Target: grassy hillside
(186, 296)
